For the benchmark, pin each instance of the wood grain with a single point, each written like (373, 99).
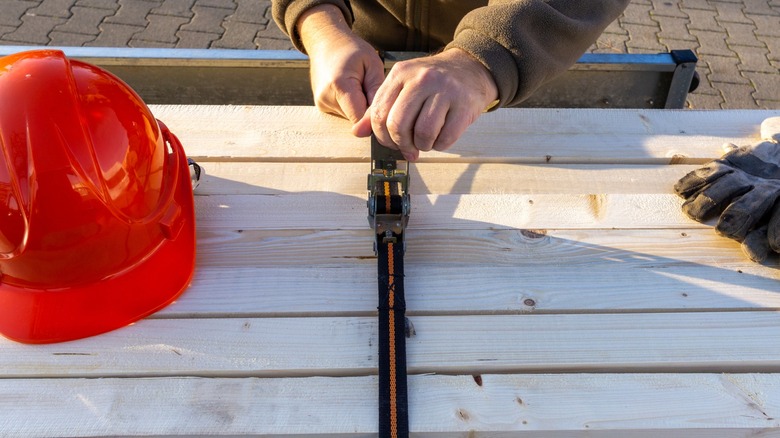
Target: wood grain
(269, 133)
(520, 405)
(555, 288)
(326, 346)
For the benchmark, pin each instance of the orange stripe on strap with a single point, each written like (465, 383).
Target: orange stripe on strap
(388, 204)
(391, 303)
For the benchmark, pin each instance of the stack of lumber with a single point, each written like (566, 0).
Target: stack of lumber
(555, 288)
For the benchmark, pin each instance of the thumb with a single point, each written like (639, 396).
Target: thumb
(352, 101)
(375, 76)
(362, 128)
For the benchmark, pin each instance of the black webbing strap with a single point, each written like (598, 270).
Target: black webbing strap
(393, 403)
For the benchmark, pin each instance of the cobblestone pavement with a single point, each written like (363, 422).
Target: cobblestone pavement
(737, 41)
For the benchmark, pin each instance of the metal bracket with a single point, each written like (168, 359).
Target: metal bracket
(389, 177)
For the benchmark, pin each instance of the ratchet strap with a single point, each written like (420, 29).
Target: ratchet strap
(389, 206)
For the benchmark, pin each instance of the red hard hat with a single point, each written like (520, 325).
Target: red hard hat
(97, 226)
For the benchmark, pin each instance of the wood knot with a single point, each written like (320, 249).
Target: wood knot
(534, 234)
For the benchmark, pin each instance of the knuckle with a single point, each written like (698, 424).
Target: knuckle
(394, 127)
(424, 139)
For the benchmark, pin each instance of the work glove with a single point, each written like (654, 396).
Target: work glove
(744, 188)
(196, 172)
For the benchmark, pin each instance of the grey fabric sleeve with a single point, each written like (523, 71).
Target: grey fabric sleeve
(528, 42)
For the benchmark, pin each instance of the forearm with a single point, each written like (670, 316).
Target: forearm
(288, 14)
(321, 26)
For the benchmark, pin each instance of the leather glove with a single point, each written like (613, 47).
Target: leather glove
(744, 188)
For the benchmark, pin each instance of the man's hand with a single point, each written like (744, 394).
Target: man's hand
(427, 103)
(345, 70)
(744, 188)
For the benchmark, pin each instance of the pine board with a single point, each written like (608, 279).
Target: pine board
(252, 178)
(328, 210)
(503, 406)
(268, 133)
(463, 344)
(531, 249)
(443, 289)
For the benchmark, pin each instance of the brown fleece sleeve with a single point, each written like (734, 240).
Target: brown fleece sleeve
(287, 12)
(525, 43)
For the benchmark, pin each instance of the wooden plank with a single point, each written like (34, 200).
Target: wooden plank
(538, 406)
(296, 347)
(530, 249)
(250, 178)
(509, 135)
(327, 210)
(443, 289)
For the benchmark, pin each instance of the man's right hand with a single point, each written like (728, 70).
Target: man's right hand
(345, 70)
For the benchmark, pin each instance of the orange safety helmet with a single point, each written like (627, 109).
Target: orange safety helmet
(97, 226)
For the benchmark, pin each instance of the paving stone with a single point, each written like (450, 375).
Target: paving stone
(756, 7)
(724, 69)
(672, 44)
(737, 96)
(237, 35)
(150, 44)
(250, 11)
(768, 104)
(69, 39)
(674, 28)
(773, 44)
(712, 43)
(34, 29)
(53, 8)
(704, 101)
(225, 4)
(207, 19)
(766, 25)
(667, 8)
(84, 21)
(767, 85)
(6, 29)
(161, 28)
(740, 34)
(636, 13)
(272, 31)
(115, 35)
(696, 4)
(705, 84)
(13, 12)
(731, 12)
(613, 27)
(103, 4)
(611, 43)
(133, 12)
(642, 38)
(274, 44)
(195, 40)
(703, 20)
(754, 59)
(179, 8)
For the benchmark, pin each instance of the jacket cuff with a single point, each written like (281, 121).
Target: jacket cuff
(287, 13)
(497, 59)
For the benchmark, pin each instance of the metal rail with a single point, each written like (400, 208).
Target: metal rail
(280, 77)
